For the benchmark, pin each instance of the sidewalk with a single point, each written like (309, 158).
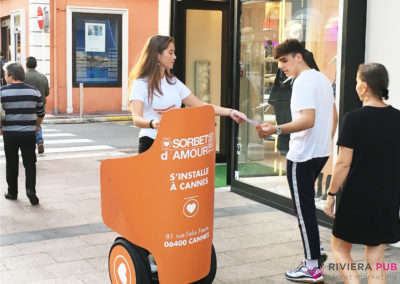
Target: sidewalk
(87, 118)
(64, 241)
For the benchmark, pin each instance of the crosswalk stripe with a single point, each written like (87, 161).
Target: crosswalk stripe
(74, 149)
(83, 155)
(66, 141)
(45, 130)
(53, 135)
(78, 149)
(105, 154)
(62, 141)
(67, 152)
(58, 135)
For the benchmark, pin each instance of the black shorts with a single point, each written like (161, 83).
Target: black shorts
(145, 143)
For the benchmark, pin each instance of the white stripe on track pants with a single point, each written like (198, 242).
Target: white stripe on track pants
(301, 178)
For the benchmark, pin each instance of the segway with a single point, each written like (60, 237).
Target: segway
(161, 203)
(139, 259)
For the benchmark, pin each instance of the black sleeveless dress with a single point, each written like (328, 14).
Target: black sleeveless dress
(368, 210)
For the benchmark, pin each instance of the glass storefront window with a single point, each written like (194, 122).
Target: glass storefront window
(6, 38)
(203, 65)
(265, 91)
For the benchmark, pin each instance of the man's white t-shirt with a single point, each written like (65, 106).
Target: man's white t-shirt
(171, 98)
(312, 90)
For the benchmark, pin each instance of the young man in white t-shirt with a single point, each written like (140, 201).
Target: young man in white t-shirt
(311, 129)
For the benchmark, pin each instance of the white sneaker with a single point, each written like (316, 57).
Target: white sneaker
(305, 275)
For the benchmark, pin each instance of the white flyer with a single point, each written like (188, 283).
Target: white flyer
(95, 37)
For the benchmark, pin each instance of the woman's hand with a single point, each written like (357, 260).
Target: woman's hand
(237, 116)
(329, 207)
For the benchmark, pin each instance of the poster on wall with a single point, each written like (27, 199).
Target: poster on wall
(95, 37)
(96, 50)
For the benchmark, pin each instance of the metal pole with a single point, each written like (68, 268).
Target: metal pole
(81, 100)
(53, 59)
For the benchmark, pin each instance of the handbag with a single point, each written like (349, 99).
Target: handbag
(279, 99)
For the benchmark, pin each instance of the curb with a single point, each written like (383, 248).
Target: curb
(120, 118)
(77, 120)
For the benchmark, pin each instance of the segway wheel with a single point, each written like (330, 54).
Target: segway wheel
(127, 263)
(206, 280)
(213, 269)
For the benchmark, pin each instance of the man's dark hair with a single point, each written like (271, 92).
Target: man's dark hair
(289, 46)
(31, 62)
(16, 71)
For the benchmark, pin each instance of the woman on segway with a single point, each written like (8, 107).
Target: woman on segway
(154, 90)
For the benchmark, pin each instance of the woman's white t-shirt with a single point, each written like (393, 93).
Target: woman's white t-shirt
(171, 98)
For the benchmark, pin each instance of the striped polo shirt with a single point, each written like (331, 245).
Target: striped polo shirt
(22, 104)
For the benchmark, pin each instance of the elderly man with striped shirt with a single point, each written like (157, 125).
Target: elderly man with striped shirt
(24, 110)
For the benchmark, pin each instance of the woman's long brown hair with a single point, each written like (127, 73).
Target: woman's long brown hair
(148, 66)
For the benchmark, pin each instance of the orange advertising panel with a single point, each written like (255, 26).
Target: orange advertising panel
(163, 200)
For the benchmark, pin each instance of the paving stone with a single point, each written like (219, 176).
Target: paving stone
(100, 264)
(217, 281)
(48, 245)
(79, 253)
(97, 277)
(26, 275)
(268, 252)
(254, 243)
(8, 251)
(224, 259)
(67, 280)
(2, 267)
(31, 260)
(69, 269)
(100, 238)
(248, 271)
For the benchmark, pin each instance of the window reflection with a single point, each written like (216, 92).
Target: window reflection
(265, 91)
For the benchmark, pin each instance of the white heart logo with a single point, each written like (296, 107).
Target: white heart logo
(191, 207)
(122, 273)
(166, 143)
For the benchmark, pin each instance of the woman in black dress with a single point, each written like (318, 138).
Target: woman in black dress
(368, 168)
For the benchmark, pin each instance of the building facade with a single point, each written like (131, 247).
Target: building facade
(224, 54)
(90, 42)
(226, 46)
